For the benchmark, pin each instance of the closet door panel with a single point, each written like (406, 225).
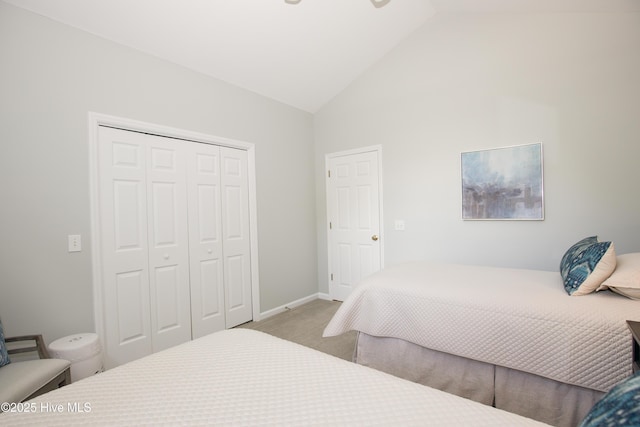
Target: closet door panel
(211, 301)
(235, 232)
(131, 296)
(235, 278)
(128, 199)
(205, 239)
(174, 241)
(168, 242)
(167, 293)
(124, 245)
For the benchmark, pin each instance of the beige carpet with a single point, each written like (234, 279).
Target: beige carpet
(304, 325)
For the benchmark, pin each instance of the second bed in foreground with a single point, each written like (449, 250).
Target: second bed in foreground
(247, 378)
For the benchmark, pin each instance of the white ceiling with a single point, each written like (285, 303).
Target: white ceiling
(302, 55)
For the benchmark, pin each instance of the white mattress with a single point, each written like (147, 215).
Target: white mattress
(520, 319)
(243, 377)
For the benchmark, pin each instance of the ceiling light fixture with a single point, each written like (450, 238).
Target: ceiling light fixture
(379, 3)
(376, 3)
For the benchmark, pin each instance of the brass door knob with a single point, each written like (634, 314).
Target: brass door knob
(374, 237)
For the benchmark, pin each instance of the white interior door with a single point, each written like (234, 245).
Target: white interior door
(174, 235)
(124, 245)
(144, 240)
(235, 233)
(353, 210)
(144, 243)
(168, 233)
(205, 240)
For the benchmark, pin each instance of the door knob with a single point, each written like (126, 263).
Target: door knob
(374, 237)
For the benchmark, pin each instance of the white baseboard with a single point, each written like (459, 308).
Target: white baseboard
(292, 304)
(324, 296)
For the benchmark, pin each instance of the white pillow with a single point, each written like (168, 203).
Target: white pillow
(625, 279)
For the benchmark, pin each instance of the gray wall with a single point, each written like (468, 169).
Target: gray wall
(460, 83)
(51, 76)
(477, 81)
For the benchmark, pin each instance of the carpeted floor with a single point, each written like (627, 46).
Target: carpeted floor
(304, 325)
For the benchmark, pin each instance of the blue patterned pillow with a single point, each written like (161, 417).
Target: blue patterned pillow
(4, 356)
(586, 265)
(619, 407)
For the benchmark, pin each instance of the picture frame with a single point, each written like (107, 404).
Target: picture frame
(503, 183)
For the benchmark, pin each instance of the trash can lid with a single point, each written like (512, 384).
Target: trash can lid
(75, 346)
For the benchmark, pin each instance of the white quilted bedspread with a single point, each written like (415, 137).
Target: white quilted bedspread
(520, 319)
(247, 378)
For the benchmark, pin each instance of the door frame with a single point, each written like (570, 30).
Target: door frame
(327, 159)
(95, 120)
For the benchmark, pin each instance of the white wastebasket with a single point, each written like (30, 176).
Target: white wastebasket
(82, 350)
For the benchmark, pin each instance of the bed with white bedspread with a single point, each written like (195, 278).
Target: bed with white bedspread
(519, 320)
(247, 378)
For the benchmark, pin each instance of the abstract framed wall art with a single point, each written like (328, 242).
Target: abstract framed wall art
(503, 183)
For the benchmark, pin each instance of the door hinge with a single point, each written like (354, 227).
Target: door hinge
(330, 225)
(328, 174)
(332, 277)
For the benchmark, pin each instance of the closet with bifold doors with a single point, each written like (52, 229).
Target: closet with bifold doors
(175, 249)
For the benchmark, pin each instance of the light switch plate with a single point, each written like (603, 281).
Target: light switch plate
(75, 243)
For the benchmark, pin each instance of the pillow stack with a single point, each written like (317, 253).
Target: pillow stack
(590, 265)
(586, 265)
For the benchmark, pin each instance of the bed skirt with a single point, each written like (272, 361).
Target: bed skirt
(533, 396)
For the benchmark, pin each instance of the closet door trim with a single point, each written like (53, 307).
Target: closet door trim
(95, 120)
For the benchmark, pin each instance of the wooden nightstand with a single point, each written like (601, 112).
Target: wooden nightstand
(635, 331)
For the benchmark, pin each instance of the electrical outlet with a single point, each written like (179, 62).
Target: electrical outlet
(399, 225)
(75, 242)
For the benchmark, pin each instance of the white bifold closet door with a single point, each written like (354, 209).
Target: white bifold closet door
(219, 238)
(175, 249)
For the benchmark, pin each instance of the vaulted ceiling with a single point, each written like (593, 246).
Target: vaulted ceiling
(300, 54)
